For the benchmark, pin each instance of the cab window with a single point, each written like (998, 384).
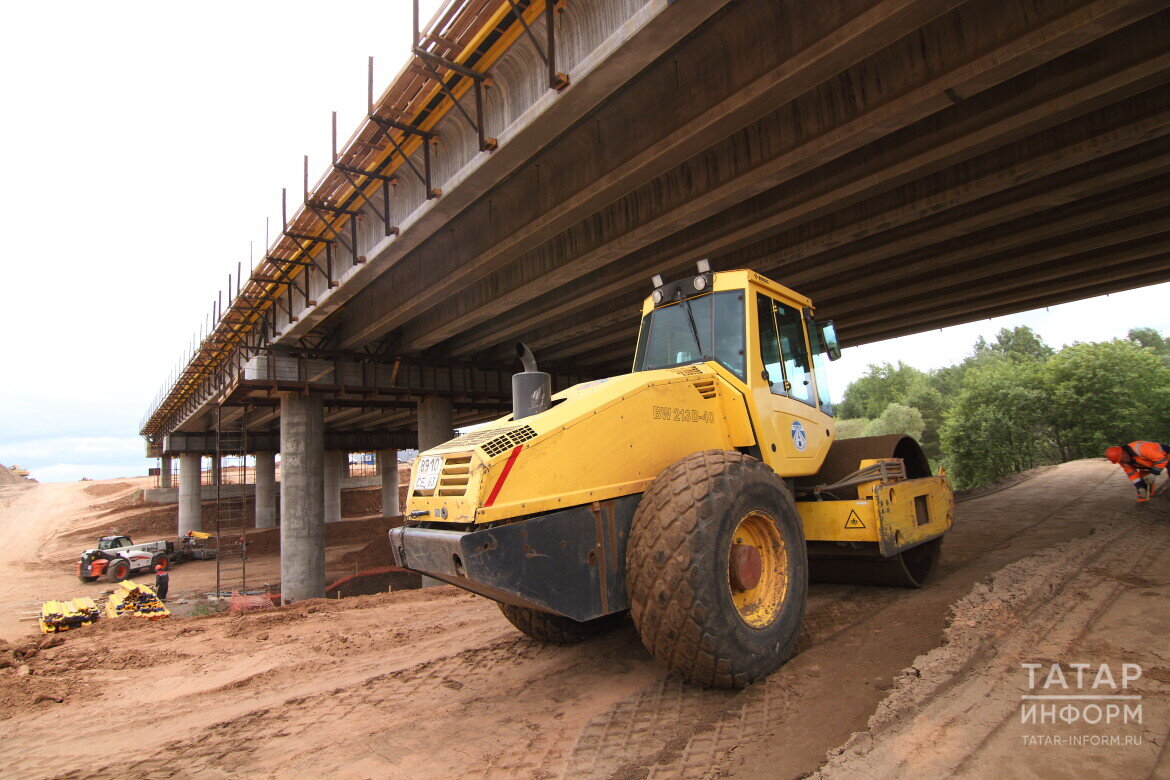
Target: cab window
(704, 327)
(821, 358)
(783, 350)
(795, 353)
(770, 344)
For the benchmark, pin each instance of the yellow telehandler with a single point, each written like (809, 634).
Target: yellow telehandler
(697, 493)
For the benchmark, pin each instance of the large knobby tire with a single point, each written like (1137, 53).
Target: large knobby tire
(695, 607)
(118, 570)
(556, 629)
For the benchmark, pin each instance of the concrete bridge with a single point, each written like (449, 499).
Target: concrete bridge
(908, 164)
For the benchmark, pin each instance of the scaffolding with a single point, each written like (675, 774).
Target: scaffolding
(449, 59)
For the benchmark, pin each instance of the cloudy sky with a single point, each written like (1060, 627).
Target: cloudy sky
(144, 145)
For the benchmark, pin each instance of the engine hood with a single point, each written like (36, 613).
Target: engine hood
(599, 440)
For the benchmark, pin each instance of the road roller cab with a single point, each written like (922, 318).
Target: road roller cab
(697, 492)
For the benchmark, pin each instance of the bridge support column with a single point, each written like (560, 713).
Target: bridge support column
(164, 472)
(334, 462)
(388, 468)
(265, 489)
(190, 477)
(434, 427)
(434, 421)
(302, 482)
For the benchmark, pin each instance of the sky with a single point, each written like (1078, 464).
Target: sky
(143, 147)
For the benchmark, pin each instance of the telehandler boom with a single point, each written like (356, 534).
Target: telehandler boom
(696, 493)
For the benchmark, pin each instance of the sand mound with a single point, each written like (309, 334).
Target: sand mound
(8, 478)
(107, 489)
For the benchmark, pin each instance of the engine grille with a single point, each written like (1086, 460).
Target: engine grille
(508, 440)
(455, 475)
(493, 440)
(706, 388)
(473, 439)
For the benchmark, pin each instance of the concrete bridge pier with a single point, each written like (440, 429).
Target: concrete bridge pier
(265, 490)
(164, 472)
(190, 477)
(388, 469)
(434, 421)
(302, 496)
(434, 427)
(335, 461)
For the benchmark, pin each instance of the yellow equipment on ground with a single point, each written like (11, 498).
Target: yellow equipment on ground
(136, 600)
(698, 492)
(59, 616)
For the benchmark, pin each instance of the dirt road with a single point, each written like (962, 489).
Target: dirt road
(1060, 568)
(32, 515)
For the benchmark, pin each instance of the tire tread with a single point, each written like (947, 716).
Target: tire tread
(666, 602)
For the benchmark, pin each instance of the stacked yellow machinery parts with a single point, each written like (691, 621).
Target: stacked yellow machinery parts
(65, 615)
(137, 600)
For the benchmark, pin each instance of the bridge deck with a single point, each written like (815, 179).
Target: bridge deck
(908, 164)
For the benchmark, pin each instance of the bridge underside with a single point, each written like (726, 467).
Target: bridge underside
(907, 164)
(906, 168)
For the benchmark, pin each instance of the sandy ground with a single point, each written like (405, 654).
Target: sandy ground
(45, 527)
(1060, 568)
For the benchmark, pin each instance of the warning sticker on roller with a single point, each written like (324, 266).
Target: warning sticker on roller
(854, 520)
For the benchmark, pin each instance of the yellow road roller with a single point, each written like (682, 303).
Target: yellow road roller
(697, 493)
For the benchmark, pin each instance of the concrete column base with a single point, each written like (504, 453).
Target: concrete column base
(190, 475)
(388, 468)
(434, 422)
(302, 497)
(334, 461)
(164, 472)
(265, 490)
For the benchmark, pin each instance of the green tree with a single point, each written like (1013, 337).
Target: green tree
(1152, 339)
(932, 406)
(852, 428)
(896, 418)
(880, 386)
(1106, 393)
(997, 424)
(1019, 343)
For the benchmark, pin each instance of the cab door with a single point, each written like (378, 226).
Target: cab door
(794, 433)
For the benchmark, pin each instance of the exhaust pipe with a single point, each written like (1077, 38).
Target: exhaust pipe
(531, 389)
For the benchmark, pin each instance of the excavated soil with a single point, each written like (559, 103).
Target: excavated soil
(8, 478)
(1062, 567)
(103, 489)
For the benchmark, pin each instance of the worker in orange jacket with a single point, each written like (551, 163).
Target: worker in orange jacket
(1142, 462)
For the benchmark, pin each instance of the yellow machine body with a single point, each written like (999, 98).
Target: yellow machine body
(601, 444)
(612, 437)
(894, 516)
(600, 440)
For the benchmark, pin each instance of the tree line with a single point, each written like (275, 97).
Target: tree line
(1016, 403)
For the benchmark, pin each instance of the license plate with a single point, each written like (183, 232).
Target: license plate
(427, 475)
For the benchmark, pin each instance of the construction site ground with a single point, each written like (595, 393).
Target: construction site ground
(1059, 567)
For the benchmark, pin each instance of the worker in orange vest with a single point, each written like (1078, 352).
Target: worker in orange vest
(162, 582)
(1142, 462)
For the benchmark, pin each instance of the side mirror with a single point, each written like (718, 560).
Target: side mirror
(828, 339)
